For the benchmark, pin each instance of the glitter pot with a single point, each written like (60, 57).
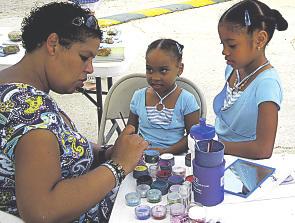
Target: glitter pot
(174, 188)
(159, 212)
(175, 179)
(153, 169)
(197, 214)
(190, 178)
(164, 165)
(179, 170)
(151, 156)
(145, 179)
(140, 171)
(132, 199)
(154, 196)
(160, 185)
(173, 197)
(142, 189)
(142, 212)
(168, 157)
(163, 174)
(188, 161)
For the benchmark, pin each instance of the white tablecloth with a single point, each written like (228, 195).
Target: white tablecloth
(270, 203)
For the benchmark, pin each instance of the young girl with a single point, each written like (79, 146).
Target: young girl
(247, 107)
(163, 111)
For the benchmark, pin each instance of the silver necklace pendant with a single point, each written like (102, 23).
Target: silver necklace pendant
(160, 106)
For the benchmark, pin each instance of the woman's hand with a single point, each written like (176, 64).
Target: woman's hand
(128, 149)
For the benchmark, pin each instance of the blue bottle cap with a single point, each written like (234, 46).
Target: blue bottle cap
(143, 212)
(202, 131)
(175, 179)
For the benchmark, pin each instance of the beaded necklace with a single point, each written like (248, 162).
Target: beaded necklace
(239, 84)
(160, 106)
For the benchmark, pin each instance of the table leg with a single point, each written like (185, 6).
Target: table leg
(99, 101)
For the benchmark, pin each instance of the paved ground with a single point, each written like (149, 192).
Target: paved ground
(204, 64)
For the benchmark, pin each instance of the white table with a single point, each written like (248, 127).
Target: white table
(270, 203)
(107, 70)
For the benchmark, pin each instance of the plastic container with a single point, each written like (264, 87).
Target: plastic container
(201, 131)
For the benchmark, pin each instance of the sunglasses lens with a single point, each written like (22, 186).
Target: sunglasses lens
(91, 22)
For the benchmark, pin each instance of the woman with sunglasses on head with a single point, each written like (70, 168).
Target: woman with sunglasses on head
(49, 172)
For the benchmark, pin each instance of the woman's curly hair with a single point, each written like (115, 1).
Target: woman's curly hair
(56, 17)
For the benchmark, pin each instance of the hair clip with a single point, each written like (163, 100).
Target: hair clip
(247, 18)
(178, 47)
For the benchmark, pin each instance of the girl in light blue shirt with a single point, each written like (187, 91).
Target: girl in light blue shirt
(247, 107)
(163, 112)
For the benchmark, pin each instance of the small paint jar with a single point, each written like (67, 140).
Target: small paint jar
(151, 156)
(177, 213)
(140, 171)
(169, 157)
(142, 212)
(179, 170)
(153, 169)
(132, 199)
(159, 212)
(164, 165)
(197, 214)
(163, 175)
(154, 196)
(174, 188)
(175, 179)
(190, 178)
(161, 185)
(145, 179)
(173, 197)
(142, 189)
(187, 161)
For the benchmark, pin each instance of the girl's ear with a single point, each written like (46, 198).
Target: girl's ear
(180, 69)
(51, 43)
(261, 39)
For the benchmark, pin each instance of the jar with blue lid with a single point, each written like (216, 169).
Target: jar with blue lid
(151, 156)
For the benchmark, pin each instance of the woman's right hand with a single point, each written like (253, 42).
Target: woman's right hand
(128, 149)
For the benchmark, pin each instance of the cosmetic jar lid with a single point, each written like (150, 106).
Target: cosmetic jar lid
(175, 179)
(154, 196)
(161, 185)
(173, 197)
(139, 171)
(169, 157)
(177, 209)
(132, 199)
(151, 156)
(142, 189)
(190, 178)
(179, 170)
(163, 174)
(174, 188)
(142, 212)
(159, 212)
(197, 213)
(164, 165)
(144, 179)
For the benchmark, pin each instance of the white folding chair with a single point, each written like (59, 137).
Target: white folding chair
(120, 94)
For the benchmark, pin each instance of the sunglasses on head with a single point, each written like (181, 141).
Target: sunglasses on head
(90, 22)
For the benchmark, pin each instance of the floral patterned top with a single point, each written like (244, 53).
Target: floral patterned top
(24, 108)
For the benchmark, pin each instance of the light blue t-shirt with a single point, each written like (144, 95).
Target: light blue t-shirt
(238, 123)
(163, 136)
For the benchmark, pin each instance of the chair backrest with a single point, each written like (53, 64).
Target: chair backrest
(120, 94)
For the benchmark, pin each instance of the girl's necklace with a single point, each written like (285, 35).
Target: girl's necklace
(239, 84)
(160, 106)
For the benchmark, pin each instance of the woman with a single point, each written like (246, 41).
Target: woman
(48, 171)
